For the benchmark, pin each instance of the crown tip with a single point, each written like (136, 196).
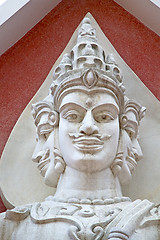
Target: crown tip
(86, 20)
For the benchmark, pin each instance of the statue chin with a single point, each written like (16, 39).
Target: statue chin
(87, 145)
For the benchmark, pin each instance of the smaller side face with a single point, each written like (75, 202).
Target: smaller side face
(43, 152)
(89, 130)
(133, 152)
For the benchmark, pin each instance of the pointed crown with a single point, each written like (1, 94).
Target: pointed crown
(87, 68)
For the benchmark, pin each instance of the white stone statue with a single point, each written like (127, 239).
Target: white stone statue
(87, 146)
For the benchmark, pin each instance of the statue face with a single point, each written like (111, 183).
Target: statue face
(134, 152)
(132, 149)
(89, 130)
(42, 152)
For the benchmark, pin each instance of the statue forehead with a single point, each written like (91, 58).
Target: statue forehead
(88, 100)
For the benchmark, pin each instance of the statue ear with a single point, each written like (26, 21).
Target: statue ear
(53, 118)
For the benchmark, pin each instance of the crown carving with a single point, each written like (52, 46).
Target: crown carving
(86, 54)
(87, 67)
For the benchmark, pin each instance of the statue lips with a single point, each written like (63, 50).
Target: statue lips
(90, 144)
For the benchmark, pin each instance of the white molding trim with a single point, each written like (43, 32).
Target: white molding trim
(23, 20)
(9, 8)
(156, 2)
(145, 11)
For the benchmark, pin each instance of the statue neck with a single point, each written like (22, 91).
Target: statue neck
(84, 185)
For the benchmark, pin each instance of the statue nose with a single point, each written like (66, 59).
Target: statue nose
(88, 125)
(36, 157)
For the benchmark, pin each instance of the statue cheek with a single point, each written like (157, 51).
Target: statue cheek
(112, 128)
(66, 127)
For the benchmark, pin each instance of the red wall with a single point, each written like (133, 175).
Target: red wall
(24, 67)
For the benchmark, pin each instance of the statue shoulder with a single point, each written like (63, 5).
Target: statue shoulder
(138, 220)
(152, 218)
(149, 225)
(29, 222)
(11, 220)
(18, 213)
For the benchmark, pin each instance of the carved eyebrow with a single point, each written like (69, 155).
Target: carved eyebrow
(107, 106)
(71, 105)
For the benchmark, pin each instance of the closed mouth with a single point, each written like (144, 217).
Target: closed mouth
(43, 161)
(88, 144)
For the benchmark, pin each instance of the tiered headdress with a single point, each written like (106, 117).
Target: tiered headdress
(87, 69)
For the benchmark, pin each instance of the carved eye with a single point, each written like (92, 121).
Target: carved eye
(44, 131)
(104, 117)
(46, 135)
(82, 32)
(73, 116)
(130, 132)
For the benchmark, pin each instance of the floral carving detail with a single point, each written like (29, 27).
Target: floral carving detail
(42, 209)
(75, 233)
(87, 212)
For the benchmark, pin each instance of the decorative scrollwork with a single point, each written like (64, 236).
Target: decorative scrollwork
(73, 233)
(99, 231)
